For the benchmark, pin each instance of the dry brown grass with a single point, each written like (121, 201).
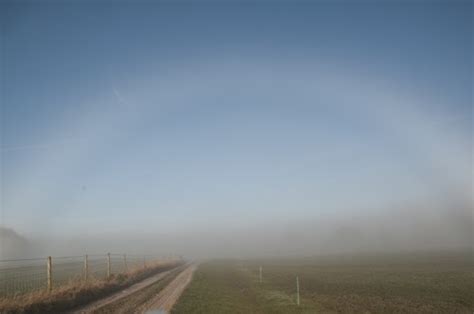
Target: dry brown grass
(79, 292)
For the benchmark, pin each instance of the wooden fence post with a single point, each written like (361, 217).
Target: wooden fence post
(50, 273)
(86, 267)
(108, 265)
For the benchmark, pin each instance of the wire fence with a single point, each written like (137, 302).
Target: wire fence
(27, 275)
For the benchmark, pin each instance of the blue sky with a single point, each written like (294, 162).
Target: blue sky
(160, 116)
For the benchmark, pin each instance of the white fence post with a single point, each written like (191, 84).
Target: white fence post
(297, 291)
(86, 267)
(108, 266)
(125, 267)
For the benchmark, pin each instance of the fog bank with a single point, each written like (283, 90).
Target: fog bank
(397, 230)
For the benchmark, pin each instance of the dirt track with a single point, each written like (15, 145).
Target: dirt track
(165, 300)
(158, 292)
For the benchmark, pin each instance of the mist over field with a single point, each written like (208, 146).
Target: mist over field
(236, 130)
(405, 230)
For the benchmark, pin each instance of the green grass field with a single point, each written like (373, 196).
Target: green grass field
(422, 283)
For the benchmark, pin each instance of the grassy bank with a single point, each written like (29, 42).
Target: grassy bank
(78, 292)
(421, 283)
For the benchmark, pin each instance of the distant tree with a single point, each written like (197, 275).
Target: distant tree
(13, 245)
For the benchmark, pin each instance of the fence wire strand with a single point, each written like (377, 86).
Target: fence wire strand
(27, 275)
